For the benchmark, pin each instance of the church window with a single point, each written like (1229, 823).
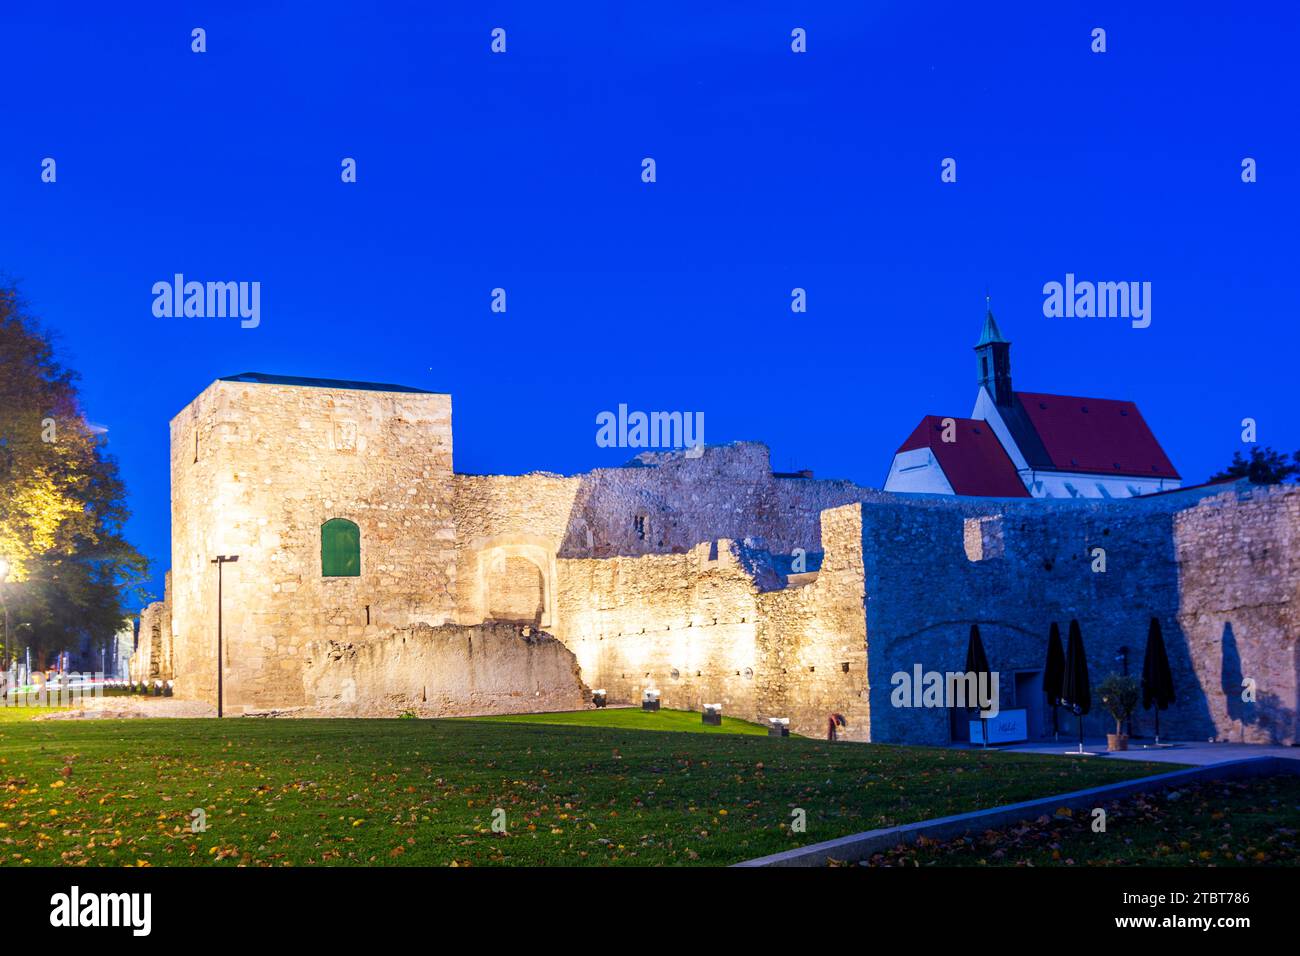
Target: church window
(639, 526)
(340, 549)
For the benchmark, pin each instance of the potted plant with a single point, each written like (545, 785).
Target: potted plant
(1119, 695)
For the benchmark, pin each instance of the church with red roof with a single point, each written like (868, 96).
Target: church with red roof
(1031, 444)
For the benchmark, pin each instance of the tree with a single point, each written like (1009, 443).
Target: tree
(1119, 695)
(62, 502)
(1265, 467)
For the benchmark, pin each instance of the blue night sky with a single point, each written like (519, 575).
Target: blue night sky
(775, 170)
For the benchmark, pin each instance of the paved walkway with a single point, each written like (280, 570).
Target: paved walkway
(1185, 752)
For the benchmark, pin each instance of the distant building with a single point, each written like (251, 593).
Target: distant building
(1031, 444)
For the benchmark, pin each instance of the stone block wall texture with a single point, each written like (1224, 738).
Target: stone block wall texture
(152, 658)
(717, 625)
(814, 638)
(446, 671)
(1199, 560)
(256, 470)
(683, 624)
(1238, 556)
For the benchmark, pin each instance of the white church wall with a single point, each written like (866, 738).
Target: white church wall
(917, 471)
(986, 410)
(1068, 484)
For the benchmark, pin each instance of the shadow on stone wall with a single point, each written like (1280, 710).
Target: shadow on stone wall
(1267, 718)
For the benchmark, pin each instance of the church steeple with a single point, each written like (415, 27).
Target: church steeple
(993, 356)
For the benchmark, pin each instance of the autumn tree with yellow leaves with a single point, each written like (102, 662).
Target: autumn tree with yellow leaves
(62, 503)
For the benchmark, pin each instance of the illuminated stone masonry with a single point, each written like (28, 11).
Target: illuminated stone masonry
(710, 579)
(152, 658)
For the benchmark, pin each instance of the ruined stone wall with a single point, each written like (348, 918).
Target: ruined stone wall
(152, 658)
(813, 637)
(684, 624)
(1238, 559)
(728, 492)
(452, 670)
(662, 503)
(678, 573)
(256, 470)
(507, 518)
(717, 624)
(926, 585)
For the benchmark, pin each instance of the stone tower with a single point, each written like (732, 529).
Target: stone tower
(260, 464)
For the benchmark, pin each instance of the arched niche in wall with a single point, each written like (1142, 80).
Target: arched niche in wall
(515, 590)
(515, 580)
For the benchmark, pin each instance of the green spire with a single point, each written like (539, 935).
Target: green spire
(991, 332)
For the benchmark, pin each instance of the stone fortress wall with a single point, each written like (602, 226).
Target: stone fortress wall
(1207, 562)
(710, 579)
(927, 567)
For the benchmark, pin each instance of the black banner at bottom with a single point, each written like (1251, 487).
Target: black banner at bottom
(366, 906)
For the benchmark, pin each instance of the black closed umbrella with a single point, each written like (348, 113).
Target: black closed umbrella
(1054, 673)
(1076, 693)
(1157, 678)
(977, 663)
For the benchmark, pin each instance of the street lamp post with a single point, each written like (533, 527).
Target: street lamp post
(220, 561)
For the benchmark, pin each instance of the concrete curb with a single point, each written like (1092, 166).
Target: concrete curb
(860, 846)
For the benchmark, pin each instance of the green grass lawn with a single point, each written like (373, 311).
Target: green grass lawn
(304, 792)
(629, 718)
(1219, 823)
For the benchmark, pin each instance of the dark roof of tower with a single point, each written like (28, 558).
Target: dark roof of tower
(990, 332)
(261, 378)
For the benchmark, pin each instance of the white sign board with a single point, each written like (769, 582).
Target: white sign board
(1009, 726)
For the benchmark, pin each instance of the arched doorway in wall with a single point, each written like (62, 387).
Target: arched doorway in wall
(514, 580)
(516, 590)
